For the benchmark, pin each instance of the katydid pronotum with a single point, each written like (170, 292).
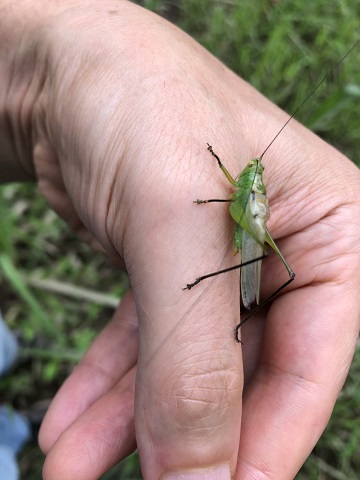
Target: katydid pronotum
(249, 208)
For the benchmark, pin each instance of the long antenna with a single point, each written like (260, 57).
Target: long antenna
(310, 94)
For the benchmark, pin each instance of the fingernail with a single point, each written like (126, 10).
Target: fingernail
(217, 472)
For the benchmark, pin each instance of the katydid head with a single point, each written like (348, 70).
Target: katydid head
(254, 166)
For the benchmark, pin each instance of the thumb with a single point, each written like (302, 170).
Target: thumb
(189, 380)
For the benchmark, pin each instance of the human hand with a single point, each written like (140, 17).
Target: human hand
(118, 112)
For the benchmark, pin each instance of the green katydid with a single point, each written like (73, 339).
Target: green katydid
(249, 208)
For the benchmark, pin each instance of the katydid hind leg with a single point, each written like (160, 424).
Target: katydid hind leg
(259, 307)
(291, 273)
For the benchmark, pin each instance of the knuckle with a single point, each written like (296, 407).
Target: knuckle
(200, 398)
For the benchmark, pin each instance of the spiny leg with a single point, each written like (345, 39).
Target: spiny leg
(261, 305)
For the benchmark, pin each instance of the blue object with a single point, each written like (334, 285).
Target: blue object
(8, 347)
(14, 427)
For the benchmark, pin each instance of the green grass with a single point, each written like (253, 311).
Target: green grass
(281, 47)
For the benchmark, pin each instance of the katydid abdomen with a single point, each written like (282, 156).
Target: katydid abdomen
(250, 211)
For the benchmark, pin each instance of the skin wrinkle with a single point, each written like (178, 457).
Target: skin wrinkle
(9, 114)
(190, 397)
(179, 393)
(337, 237)
(10, 132)
(190, 393)
(203, 379)
(100, 180)
(329, 261)
(331, 280)
(257, 474)
(305, 382)
(109, 224)
(293, 208)
(116, 200)
(34, 79)
(267, 370)
(27, 108)
(21, 122)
